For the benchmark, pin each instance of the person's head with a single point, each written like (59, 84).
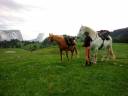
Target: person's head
(86, 33)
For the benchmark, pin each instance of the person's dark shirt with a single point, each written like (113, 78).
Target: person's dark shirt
(87, 41)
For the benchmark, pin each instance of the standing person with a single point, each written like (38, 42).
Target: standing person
(87, 42)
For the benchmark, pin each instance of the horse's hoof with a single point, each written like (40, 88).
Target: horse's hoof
(90, 63)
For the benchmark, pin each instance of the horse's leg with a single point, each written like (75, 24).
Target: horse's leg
(72, 51)
(95, 56)
(67, 55)
(91, 56)
(61, 54)
(104, 54)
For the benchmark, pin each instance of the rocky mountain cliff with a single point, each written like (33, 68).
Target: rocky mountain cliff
(39, 38)
(10, 34)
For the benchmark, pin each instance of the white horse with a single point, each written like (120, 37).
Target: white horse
(97, 42)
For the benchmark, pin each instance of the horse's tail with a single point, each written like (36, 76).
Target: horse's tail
(110, 49)
(76, 51)
(112, 53)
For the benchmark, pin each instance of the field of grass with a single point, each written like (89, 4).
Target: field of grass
(41, 73)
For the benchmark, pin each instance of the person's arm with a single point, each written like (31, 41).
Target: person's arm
(90, 39)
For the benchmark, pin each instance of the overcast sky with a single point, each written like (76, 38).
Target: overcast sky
(62, 16)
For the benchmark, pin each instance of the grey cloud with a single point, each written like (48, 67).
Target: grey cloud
(10, 5)
(8, 11)
(7, 18)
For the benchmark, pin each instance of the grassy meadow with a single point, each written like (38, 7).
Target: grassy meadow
(41, 73)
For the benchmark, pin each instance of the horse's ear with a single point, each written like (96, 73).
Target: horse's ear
(50, 34)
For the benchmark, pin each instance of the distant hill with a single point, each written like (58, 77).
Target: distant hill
(120, 35)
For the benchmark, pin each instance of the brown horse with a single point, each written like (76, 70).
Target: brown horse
(63, 45)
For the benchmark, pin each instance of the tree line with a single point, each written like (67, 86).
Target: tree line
(14, 43)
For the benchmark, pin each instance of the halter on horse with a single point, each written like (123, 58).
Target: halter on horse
(60, 39)
(97, 42)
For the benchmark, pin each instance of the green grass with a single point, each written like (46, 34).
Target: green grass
(42, 74)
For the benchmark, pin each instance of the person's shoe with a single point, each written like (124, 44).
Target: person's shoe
(90, 63)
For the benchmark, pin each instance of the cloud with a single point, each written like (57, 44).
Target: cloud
(10, 13)
(10, 5)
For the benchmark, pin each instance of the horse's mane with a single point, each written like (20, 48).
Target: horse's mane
(55, 36)
(58, 36)
(91, 32)
(88, 29)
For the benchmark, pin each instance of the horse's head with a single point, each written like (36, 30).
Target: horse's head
(51, 37)
(82, 29)
(86, 30)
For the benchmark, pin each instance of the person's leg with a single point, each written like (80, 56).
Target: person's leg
(87, 55)
(89, 59)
